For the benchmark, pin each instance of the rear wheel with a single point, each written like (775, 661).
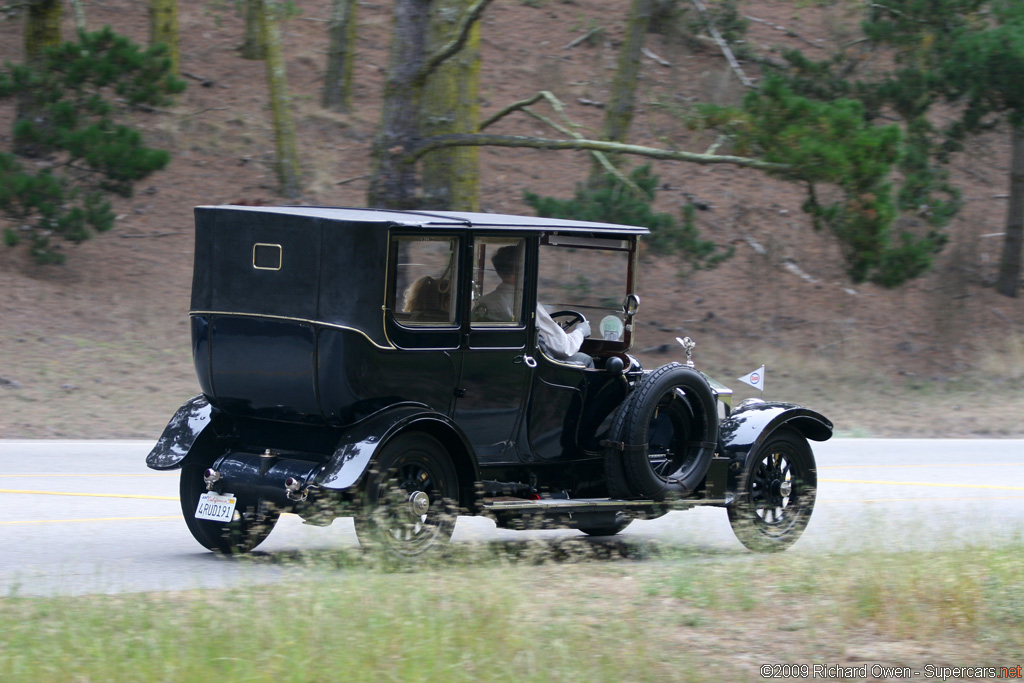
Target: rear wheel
(777, 493)
(410, 502)
(252, 522)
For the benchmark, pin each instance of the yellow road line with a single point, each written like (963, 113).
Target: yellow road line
(90, 495)
(93, 519)
(925, 483)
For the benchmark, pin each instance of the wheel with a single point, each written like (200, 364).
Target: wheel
(608, 530)
(574, 317)
(252, 523)
(409, 508)
(668, 430)
(776, 494)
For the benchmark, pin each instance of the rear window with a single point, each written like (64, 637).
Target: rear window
(422, 287)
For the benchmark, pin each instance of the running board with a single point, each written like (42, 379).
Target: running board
(575, 505)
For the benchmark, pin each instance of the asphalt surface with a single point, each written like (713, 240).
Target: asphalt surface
(89, 517)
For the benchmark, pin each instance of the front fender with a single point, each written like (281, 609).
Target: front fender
(180, 434)
(750, 425)
(741, 434)
(360, 443)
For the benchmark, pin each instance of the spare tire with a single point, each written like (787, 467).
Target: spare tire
(665, 434)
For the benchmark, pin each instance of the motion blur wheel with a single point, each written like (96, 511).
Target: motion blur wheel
(613, 527)
(252, 521)
(410, 503)
(776, 494)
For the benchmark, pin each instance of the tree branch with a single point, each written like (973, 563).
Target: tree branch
(453, 47)
(515, 106)
(557, 105)
(481, 140)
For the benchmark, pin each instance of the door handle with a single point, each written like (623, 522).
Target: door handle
(529, 360)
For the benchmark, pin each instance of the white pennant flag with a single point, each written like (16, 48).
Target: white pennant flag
(754, 379)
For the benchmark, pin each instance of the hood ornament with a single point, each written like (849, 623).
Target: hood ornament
(687, 345)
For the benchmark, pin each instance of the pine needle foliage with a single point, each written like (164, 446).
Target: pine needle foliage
(823, 128)
(81, 92)
(611, 201)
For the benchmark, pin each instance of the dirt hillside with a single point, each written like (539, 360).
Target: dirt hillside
(99, 347)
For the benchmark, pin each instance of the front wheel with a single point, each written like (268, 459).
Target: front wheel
(252, 522)
(609, 529)
(776, 494)
(410, 498)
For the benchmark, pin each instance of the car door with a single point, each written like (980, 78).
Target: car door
(495, 366)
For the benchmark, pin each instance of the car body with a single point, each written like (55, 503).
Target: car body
(354, 362)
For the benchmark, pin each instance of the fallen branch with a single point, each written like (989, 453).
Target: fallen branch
(787, 31)
(203, 80)
(151, 234)
(723, 46)
(597, 30)
(655, 57)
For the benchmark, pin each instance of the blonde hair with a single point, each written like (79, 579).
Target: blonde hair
(427, 293)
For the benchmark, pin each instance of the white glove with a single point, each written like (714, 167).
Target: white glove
(585, 328)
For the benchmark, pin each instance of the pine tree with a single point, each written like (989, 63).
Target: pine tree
(82, 88)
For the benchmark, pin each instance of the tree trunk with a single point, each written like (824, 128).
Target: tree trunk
(1013, 244)
(619, 111)
(451, 177)
(287, 161)
(42, 27)
(341, 53)
(163, 28)
(252, 43)
(42, 30)
(393, 181)
(80, 24)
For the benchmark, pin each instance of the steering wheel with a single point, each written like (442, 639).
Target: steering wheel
(575, 317)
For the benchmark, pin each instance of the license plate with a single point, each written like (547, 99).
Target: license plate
(216, 507)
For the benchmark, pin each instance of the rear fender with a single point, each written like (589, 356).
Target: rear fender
(742, 433)
(359, 445)
(181, 434)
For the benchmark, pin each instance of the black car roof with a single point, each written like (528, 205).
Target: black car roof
(444, 219)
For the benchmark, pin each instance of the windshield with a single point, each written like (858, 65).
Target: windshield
(589, 275)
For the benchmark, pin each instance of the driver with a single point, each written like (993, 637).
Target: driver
(496, 306)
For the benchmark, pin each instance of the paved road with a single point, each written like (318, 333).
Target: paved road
(86, 517)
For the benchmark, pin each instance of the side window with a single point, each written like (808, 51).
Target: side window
(422, 289)
(498, 281)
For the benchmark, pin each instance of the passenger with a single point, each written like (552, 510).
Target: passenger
(428, 299)
(497, 306)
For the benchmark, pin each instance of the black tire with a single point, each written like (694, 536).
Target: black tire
(253, 520)
(668, 427)
(410, 500)
(614, 467)
(609, 530)
(764, 518)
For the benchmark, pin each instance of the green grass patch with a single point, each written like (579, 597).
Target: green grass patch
(523, 615)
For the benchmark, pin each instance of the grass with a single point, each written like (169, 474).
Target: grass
(522, 616)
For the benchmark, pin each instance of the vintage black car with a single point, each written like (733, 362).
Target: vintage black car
(388, 365)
